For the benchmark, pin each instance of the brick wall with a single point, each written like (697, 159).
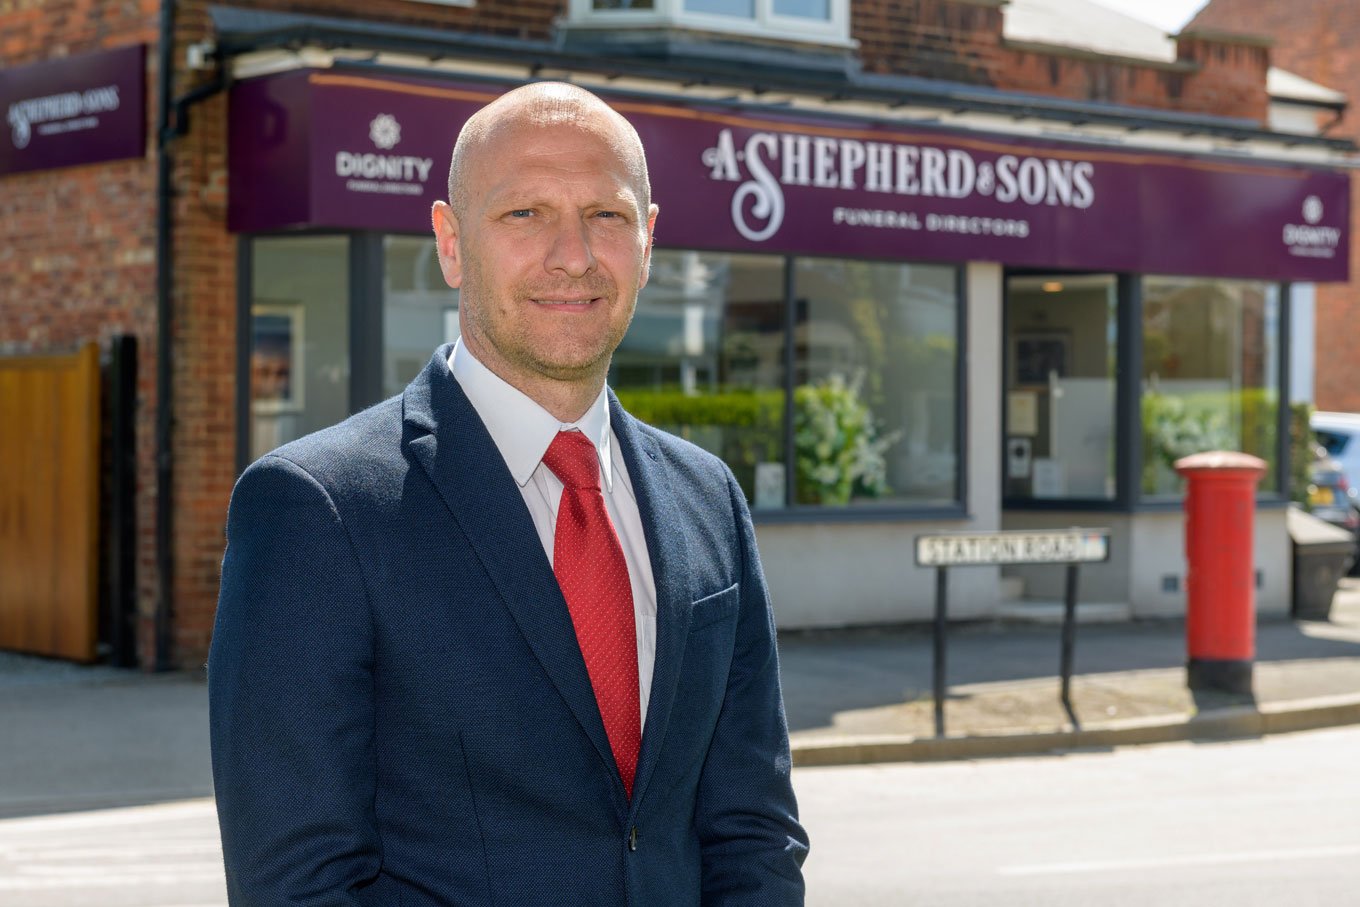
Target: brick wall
(1319, 40)
(1336, 374)
(1231, 76)
(961, 40)
(77, 245)
(1316, 39)
(205, 296)
(77, 263)
(937, 39)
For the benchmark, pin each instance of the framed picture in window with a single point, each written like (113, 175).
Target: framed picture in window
(1039, 356)
(276, 367)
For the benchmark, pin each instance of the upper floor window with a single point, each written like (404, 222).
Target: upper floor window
(820, 21)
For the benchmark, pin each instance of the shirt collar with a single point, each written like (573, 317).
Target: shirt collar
(521, 429)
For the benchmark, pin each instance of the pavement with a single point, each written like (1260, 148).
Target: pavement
(76, 738)
(857, 696)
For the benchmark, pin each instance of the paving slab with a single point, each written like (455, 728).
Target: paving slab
(866, 695)
(77, 737)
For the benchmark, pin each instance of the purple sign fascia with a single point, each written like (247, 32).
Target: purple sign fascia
(76, 110)
(328, 149)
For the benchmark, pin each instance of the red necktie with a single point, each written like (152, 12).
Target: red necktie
(594, 578)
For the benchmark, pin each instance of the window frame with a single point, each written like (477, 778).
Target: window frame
(1126, 432)
(765, 23)
(1279, 470)
(956, 507)
(1129, 496)
(865, 511)
(359, 275)
(365, 303)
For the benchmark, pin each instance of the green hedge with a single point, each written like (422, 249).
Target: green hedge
(838, 449)
(1301, 442)
(749, 423)
(1177, 425)
(831, 452)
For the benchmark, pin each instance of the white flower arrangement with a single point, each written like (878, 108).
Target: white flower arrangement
(1179, 431)
(837, 445)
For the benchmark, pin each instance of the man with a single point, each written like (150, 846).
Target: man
(494, 641)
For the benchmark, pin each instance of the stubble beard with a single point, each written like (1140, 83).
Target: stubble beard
(510, 335)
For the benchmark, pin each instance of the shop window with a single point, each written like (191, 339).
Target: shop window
(1210, 374)
(874, 387)
(820, 21)
(704, 359)
(299, 338)
(419, 309)
(875, 394)
(1059, 412)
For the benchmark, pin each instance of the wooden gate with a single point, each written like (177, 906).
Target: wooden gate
(49, 504)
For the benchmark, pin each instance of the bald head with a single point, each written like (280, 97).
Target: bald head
(546, 104)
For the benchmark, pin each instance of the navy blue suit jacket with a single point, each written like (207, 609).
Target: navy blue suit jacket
(400, 711)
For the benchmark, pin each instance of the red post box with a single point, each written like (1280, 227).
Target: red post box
(1220, 620)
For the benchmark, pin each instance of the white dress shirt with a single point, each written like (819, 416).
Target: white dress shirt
(522, 431)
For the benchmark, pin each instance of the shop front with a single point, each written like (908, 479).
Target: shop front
(884, 328)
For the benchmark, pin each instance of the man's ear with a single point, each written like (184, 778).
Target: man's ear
(446, 233)
(647, 253)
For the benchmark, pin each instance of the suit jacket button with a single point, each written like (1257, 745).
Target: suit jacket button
(632, 839)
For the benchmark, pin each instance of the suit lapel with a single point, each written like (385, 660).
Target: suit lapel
(447, 438)
(668, 550)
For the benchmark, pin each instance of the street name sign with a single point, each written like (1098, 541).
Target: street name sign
(1063, 546)
(1070, 547)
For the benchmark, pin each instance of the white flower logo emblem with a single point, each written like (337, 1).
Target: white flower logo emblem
(22, 131)
(385, 131)
(1312, 209)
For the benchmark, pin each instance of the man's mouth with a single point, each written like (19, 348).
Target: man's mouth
(577, 302)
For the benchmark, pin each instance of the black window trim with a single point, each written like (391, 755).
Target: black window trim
(366, 253)
(1129, 497)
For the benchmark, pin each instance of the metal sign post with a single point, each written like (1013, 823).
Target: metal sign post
(941, 627)
(1071, 547)
(1069, 640)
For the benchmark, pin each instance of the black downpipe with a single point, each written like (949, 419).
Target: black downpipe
(172, 122)
(164, 340)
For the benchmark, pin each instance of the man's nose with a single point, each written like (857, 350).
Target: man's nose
(570, 251)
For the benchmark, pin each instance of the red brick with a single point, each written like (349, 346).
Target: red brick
(77, 247)
(1316, 39)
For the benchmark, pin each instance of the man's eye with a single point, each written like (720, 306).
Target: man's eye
(607, 214)
(521, 212)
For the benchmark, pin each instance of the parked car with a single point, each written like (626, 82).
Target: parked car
(1339, 434)
(1332, 498)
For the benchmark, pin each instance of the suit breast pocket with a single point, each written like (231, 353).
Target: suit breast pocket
(715, 608)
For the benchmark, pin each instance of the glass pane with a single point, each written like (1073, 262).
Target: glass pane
(1060, 383)
(804, 9)
(1210, 374)
(742, 9)
(622, 4)
(420, 311)
(704, 359)
(875, 390)
(299, 356)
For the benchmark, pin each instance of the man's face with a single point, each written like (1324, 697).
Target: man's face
(549, 253)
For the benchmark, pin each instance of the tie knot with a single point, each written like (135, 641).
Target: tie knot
(573, 460)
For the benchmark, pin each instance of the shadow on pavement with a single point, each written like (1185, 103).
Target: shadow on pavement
(1120, 669)
(78, 738)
